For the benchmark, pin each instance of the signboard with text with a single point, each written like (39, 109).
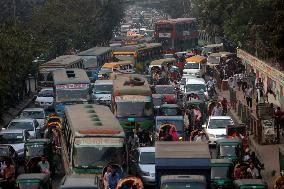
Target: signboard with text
(73, 86)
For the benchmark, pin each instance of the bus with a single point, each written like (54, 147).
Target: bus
(65, 61)
(113, 67)
(140, 54)
(132, 101)
(71, 86)
(179, 34)
(93, 138)
(94, 58)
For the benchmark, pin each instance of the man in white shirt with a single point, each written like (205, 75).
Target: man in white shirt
(253, 171)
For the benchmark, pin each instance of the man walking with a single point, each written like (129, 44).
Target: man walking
(248, 95)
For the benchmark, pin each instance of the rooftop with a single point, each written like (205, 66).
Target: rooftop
(61, 77)
(62, 61)
(95, 51)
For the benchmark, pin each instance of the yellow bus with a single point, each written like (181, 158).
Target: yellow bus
(140, 54)
(120, 67)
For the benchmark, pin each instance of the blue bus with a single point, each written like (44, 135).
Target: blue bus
(94, 58)
(71, 86)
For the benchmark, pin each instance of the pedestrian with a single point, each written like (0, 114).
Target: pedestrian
(237, 171)
(217, 110)
(279, 118)
(252, 77)
(279, 181)
(248, 95)
(224, 104)
(113, 179)
(259, 90)
(253, 171)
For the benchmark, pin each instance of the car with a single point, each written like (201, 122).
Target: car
(31, 125)
(44, 98)
(216, 128)
(143, 164)
(35, 113)
(16, 138)
(169, 93)
(102, 91)
(194, 84)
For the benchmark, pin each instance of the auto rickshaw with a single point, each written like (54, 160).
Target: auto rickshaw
(250, 184)
(130, 182)
(166, 123)
(229, 148)
(221, 173)
(33, 180)
(34, 150)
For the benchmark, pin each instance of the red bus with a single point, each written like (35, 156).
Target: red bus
(179, 34)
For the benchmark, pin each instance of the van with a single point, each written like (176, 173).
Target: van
(121, 67)
(195, 65)
(102, 91)
(195, 85)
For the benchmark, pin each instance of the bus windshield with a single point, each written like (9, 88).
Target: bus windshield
(134, 109)
(92, 156)
(123, 57)
(72, 95)
(192, 65)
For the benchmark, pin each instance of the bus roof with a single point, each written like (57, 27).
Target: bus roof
(177, 20)
(61, 62)
(87, 119)
(95, 51)
(121, 86)
(70, 76)
(134, 48)
(162, 61)
(214, 45)
(113, 64)
(196, 59)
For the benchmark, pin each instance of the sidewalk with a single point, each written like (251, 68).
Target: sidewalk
(11, 113)
(267, 154)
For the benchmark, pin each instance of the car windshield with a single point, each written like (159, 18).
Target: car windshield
(33, 114)
(165, 90)
(219, 123)
(183, 185)
(219, 172)
(45, 93)
(170, 111)
(195, 87)
(147, 158)
(34, 150)
(21, 125)
(213, 60)
(11, 138)
(226, 151)
(134, 109)
(28, 185)
(103, 89)
(191, 66)
(93, 156)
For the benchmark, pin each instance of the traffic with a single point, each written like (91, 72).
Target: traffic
(143, 113)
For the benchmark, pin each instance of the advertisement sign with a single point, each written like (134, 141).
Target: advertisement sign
(73, 86)
(165, 35)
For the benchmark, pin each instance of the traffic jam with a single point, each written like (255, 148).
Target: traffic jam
(138, 114)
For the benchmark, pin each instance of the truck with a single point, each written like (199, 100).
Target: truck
(182, 158)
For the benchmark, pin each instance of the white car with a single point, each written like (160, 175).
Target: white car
(44, 98)
(216, 127)
(194, 84)
(31, 125)
(143, 164)
(35, 113)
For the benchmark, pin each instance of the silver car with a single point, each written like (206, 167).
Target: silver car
(31, 125)
(16, 138)
(142, 163)
(35, 113)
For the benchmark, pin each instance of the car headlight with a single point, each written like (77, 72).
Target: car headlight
(145, 173)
